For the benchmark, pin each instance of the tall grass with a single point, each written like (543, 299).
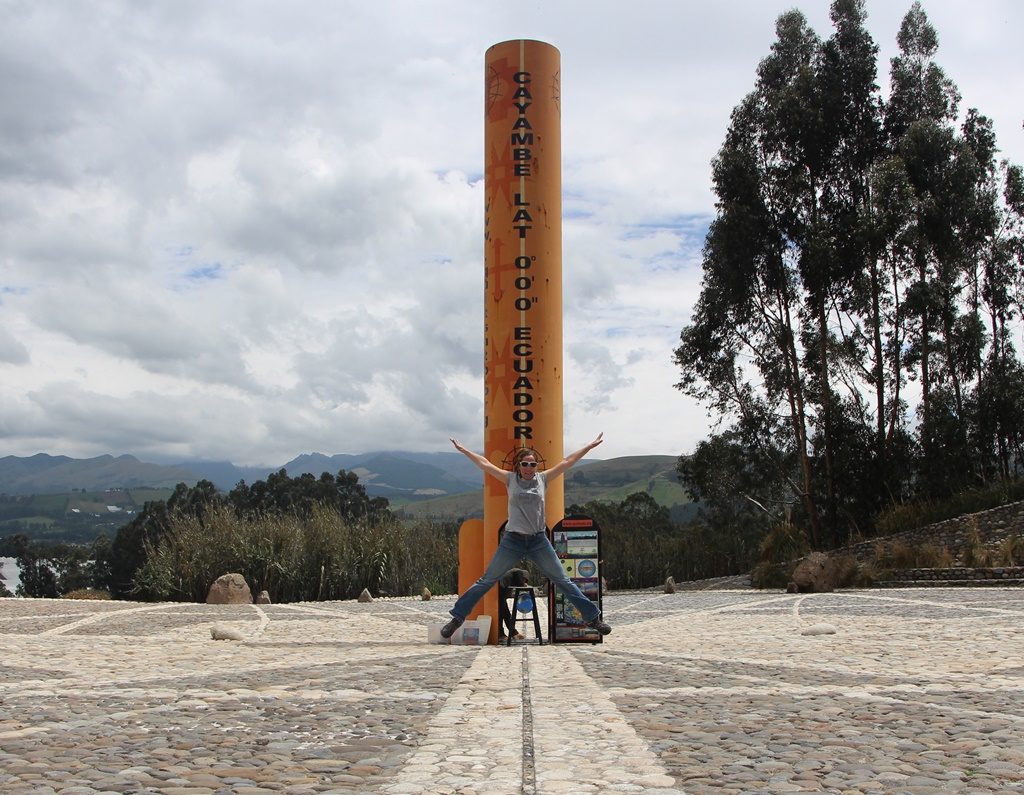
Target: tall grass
(976, 553)
(1011, 551)
(895, 555)
(321, 557)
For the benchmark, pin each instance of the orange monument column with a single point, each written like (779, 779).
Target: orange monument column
(523, 281)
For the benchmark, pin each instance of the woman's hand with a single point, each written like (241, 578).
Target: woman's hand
(480, 461)
(572, 458)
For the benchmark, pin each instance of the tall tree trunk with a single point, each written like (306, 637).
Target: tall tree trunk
(826, 417)
(878, 360)
(925, 330)
(799, 421)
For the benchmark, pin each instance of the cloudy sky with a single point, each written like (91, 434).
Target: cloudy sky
(244, 230)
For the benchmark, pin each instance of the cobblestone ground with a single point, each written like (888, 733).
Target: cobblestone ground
(917, 691)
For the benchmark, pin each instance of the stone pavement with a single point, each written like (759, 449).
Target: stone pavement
(918, 691)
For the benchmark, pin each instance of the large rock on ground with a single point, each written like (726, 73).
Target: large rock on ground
(229, 589)
(814, 574)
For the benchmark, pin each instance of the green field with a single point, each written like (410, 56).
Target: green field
(600, 481)
(78, 517)
(141, 496)
(42, 522)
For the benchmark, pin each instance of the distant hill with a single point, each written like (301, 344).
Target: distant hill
(223, 474)
(397, 473)
(408, 476)
(56, 498)
(611, 480)
(47, 474)
(617, 478)
(441, 485)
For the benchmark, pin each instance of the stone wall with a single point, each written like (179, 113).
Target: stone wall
(1008, 575)
(992, 527)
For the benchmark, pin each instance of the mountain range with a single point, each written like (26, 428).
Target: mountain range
(394, 475)
(417, 485)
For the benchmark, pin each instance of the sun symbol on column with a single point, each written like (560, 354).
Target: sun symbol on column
(509, 461)
(493, 87)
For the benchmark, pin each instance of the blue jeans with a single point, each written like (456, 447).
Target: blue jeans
(512, 549)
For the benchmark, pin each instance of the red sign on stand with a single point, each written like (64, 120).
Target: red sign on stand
(577, 542)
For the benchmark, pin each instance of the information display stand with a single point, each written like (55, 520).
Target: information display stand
(577, 542)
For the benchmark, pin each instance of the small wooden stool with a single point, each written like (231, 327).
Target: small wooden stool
(517, 593)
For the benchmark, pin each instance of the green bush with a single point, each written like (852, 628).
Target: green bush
(784, 541)
(771, 575)
(320, 556)
(88, 593)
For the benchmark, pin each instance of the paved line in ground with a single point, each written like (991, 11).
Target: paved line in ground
(906, 600)
(529, 762)
(474, 743)
(859, 693)
(583, 743)
(97, 617)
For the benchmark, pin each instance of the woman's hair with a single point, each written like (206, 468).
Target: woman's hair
(524, 453)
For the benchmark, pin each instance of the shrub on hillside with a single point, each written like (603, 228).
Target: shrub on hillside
(895, 555)
(934, 557)
(784, 541)
(88, 593)
(975, 553)
(1011, 551)
(911, 516)
(849, 573)
(771, 575)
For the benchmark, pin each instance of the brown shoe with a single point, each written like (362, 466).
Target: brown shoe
(449, 629)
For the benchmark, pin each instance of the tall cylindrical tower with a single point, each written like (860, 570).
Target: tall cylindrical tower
(523, 264)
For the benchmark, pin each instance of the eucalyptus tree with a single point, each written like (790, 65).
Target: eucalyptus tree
(858, 246)
(740, 353)
(133, 541)
(938, 172)
(779, 316)
(734, 485)
(300, 495)
(958, 218)
(839, 267)
(994, 267)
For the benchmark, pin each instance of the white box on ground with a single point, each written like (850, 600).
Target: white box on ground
(473, 632)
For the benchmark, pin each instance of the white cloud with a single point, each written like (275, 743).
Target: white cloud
(242, 230)
(12, 350)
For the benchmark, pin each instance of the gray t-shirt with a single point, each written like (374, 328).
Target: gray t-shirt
(526, 504)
